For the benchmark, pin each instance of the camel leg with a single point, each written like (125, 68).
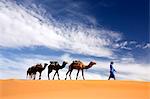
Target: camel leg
(40, 76)
(49, 71)
(58, 75)
(34, 76)
(70, 73)
(83, 74)
(48, 75)
(54, 75)
(30, 76)
(67, 74)
(77, 74)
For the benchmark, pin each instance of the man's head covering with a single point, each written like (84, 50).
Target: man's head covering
(111, 62)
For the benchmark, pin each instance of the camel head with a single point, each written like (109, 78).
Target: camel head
(90, 65)
(45, 64)
(51, 62)
(64, 62)
(93, 63)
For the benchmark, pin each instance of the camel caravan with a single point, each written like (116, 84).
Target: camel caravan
(54, 65)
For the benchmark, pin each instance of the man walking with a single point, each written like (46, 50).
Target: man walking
(112, 70)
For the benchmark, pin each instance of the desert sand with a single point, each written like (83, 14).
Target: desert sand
(72, 89)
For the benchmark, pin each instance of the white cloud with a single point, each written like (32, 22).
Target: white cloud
(133, 42)
(123, 45)
(66, 57)
(127, 60)
(130, 45)
(23, 28)
(138, 46)
(146, 46)
(100, 71)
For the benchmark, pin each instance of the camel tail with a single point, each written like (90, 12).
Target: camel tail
(28, 73)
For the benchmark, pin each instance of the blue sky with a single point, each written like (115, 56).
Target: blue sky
(129, 17)
(37, 31)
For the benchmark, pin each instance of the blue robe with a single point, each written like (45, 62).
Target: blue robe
(112, 70)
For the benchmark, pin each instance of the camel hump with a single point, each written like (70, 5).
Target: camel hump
(54, 63)
(77, 62)
(38, 65)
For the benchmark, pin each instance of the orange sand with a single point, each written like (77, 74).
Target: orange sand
(71, 89)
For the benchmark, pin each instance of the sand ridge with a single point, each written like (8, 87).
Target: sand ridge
(72, 89)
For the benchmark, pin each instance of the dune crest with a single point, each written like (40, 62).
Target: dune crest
(71, 89)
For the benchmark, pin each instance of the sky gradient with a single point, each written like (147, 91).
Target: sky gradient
(35, 31)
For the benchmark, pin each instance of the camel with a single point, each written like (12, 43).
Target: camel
(54, 65)
(79, 66)
(36, 68)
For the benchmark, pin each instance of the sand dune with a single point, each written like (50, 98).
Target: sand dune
(71, 89)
